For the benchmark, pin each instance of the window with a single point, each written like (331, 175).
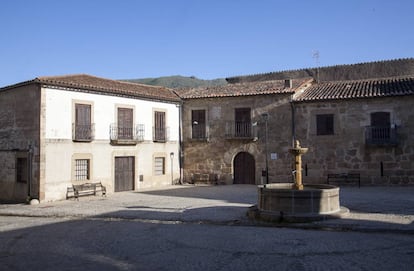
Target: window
(381, 132)
(82, 169)
(21, 170)
(325, 124)
(242, 122)
(160, 131)
(198, 124)
(159, 166)
(380, 119)
(125, 123)
(83, 128)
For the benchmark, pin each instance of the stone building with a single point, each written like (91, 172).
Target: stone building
(362, 126)
(59, 131)
(224, 137)
(64, 130)
(354, 119)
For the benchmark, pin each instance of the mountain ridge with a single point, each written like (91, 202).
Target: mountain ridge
(178, 81)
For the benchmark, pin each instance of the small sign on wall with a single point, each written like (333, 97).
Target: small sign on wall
(273, 156)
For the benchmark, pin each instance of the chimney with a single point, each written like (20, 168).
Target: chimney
(288, 83)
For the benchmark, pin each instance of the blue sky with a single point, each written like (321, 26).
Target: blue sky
(125, 39)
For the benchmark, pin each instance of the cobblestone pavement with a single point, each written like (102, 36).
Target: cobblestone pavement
(371, 208)
(205, 228)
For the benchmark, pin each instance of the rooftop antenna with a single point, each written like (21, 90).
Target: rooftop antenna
(315, 55)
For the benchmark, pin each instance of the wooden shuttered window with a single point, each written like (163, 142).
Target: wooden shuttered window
(83, 122)
(125, 123)
(160, 130)
(159, 166)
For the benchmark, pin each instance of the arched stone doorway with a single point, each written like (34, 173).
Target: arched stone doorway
(244, 169)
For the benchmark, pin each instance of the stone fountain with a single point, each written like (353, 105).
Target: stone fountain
(297, 202)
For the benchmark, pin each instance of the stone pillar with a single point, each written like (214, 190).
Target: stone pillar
(297, 151)
(298, 172)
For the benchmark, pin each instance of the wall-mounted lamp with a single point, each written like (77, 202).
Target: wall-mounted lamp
(172, 167)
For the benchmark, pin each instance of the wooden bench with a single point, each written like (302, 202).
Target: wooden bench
(344, 178)
(200, 178)
(85, 189)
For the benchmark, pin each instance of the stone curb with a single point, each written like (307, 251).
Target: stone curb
(248, 221)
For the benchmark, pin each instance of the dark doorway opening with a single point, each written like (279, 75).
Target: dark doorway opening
(244, 169)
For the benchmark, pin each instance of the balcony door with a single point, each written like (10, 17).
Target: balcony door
(83, 122)
(380, 125)
(125, 123)
(242, 122)
(159, 126)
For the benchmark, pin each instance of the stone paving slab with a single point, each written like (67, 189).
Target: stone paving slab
(371, 208)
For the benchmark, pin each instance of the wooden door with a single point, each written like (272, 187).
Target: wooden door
(244, 169)
(124, 173)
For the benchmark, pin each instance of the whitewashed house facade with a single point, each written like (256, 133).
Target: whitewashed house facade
(59, 131)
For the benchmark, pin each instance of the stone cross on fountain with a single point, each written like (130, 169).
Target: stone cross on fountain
(298, 151)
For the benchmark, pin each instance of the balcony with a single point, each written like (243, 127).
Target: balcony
(240, 130)
(160, 134)
(83, 133)
(381, 136)
(120, 135)
(199, 132)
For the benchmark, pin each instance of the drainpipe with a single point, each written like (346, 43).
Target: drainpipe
(29, 171)
(180, 143)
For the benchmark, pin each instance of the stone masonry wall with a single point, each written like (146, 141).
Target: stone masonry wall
(216, 155)
(19, 128)
(346, 150)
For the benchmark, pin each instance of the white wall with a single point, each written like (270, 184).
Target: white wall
(60, 149)
(59, 110)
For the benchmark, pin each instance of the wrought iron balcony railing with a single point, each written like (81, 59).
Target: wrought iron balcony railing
(160, 134)
(83, 133)
(240, 130)
(126, 135)
(199, 132)
(375, 135)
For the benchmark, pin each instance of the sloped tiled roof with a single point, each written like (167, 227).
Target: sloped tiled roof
(106, 86)
(242, 89)
(384, 87)
(358, 71)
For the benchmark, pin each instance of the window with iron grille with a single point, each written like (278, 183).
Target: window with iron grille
(325, 124)
(198, 124)
(159, 166)
(21, 170)
(82, 169)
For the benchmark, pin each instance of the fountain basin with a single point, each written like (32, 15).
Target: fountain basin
(279, 202)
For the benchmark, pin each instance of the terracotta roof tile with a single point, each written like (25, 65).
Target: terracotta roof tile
(107, 86)
(242, 89)
(384, 87)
